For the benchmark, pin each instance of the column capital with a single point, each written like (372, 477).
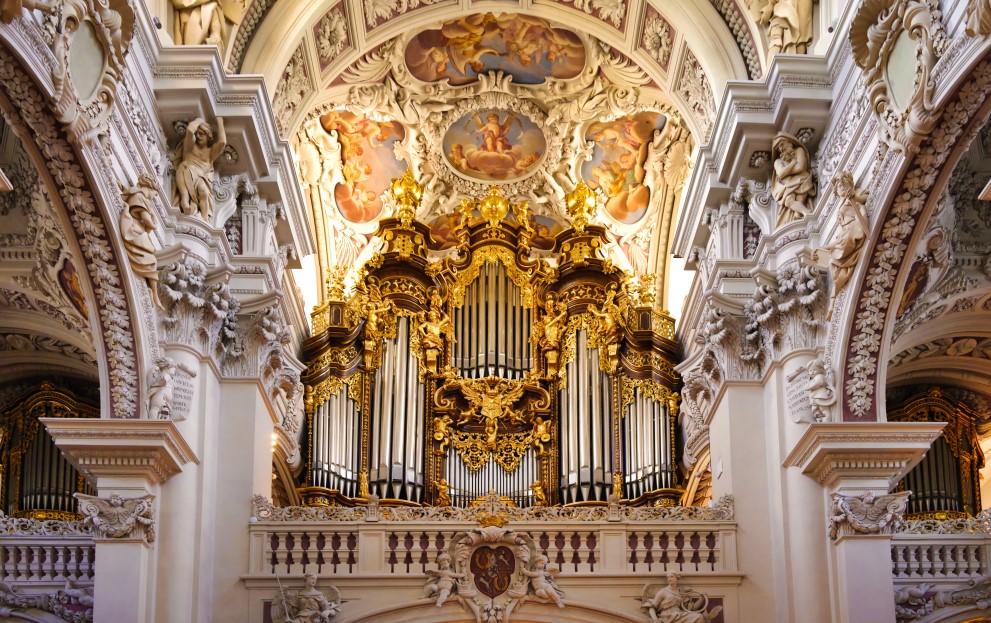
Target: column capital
(862, 455)
(148, 450)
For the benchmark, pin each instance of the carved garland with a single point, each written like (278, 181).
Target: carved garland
(24, 108)
(864, 356)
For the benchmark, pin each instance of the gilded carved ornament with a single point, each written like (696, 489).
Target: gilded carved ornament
(881, 34)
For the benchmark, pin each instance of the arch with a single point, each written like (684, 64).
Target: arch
(913, 198)
(699, 32)
(67, 169)
(426, 612)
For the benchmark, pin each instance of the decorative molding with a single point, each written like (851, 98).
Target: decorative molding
(979, 524)
(898, 223)
(91, 232)
(830, 452)
(866, 514)
(116, 517)
(263, 510)
(23, 526)
(876, 31)
(151, 449)
(739, 25)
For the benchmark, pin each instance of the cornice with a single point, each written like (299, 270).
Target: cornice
(831, 451)
(151, 449)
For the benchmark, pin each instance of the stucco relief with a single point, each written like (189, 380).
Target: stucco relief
(897, 43)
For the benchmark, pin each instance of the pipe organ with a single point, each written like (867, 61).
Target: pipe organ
(946, 483)
(37, 480)
(438, 376)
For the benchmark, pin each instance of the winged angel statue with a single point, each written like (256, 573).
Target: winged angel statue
(866, 513)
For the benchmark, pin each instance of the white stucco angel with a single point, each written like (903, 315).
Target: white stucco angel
(194, 172)
(788, 23)
(543, 583)
(443, 581)
(672, 604)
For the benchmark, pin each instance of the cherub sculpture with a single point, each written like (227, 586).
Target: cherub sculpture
(308, 605)
(194, 173)
(820, 388)
(443, 582)
(539, 494)
(442, 431)
(671, 604)
(541, 434)
(866, 513)
(443, 492)
(116, 517)
(542, 581)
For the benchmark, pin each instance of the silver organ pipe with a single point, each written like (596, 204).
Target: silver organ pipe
(492, 327)
(647, 460)
(586, 451)
(48, 480)
(335, 448)
(397, 423)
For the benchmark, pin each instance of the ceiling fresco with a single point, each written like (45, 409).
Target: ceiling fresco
(494, 99)
(526, 47)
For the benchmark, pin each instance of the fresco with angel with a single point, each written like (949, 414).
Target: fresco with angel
(494, 145)
(525, 46)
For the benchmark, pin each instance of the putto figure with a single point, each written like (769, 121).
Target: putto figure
(671, 604)
(443, 581)
(542, 581)
(194, 173)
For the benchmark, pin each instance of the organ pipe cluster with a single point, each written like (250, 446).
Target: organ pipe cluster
(545, 376)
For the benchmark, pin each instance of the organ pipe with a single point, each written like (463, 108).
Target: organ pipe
(494, 368)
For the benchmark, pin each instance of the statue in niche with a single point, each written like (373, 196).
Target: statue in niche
(548, 331)
(542, 581)
(607, 330)
(137, 223)
(432, 332)
(671, 604)
(791, 181)
(194, 173)
(788, 23)
(443, 581)
(308, 605)
(852, 228)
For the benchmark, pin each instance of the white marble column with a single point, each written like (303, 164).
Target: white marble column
(129, 459)
(858, 459)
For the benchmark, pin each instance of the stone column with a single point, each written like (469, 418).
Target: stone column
(127, 461)
(857, 464)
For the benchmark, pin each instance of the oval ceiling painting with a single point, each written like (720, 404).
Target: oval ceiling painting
(494, 145)
(617, 164)
(369, 162)
(527, 47)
